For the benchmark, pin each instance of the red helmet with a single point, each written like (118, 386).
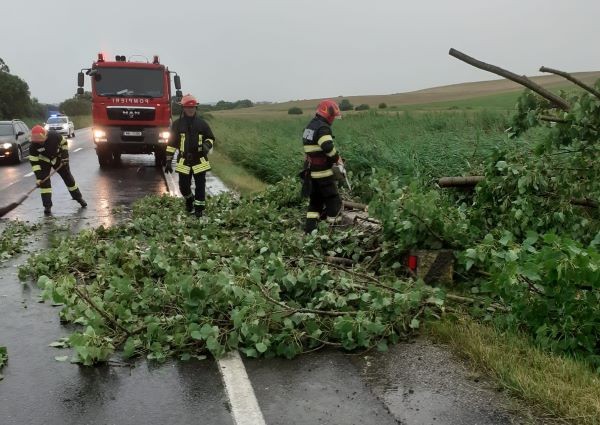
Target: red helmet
(38, 134)
(188, 101)
(329, 110)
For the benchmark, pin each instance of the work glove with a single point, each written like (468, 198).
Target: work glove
(38, 183)
(168, 168)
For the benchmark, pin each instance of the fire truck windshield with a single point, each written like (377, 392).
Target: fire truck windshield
(123, 82)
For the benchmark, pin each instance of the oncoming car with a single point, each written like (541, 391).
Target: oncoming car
(62, 124)
(15, 138)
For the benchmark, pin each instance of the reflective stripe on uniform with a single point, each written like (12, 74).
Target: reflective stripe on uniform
(181, 142)
(72, 188)
(36, 168)
(332, 153)
(321, 174)
(312, 214)
(180, 168)
(46, 190)
(200, 203)
(171, 149)
(199, 139)
(45, 159)
(312, 148)
(202, 167)
(34, 158)
(324, 139)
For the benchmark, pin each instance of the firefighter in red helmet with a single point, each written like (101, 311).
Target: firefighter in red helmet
(50, 150)
(193, 138)
(320, 184)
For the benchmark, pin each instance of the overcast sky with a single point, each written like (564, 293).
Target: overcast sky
(280, 50)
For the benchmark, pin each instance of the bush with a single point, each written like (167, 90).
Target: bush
(382, 105)
(345, 105)
(295, 111)
(362, 107)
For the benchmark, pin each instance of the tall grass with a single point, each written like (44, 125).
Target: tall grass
(424, 146)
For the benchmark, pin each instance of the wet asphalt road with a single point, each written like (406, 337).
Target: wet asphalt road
(412, 384)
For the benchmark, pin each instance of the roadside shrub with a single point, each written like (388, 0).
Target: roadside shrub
(295, 111)
(362, 107)
(345, 105)
(382, 105)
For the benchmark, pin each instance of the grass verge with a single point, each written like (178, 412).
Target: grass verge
(562, 387)
(234, 176)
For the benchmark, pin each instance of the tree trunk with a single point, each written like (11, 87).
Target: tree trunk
(467, 181)
(523, 80)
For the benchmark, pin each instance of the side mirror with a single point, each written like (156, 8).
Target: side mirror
(177, 82)
(79, 90)
(80, 79)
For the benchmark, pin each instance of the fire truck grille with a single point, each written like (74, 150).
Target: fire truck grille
(131, 114)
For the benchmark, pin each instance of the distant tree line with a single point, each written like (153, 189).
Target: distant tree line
(221, 105)
(15, 98)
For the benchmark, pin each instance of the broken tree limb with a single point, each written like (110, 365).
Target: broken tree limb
(339, 260)
(520, 79)
(467, 181)
(471, 181)
(572, 79)
(355, 206)
(552, 119)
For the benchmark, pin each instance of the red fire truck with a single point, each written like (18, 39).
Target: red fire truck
(131, 107)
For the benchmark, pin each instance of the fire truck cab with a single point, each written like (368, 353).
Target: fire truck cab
(131, 107)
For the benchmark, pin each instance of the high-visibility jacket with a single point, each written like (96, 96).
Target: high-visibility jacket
(194, 139)
(50, 152)
(318, 148)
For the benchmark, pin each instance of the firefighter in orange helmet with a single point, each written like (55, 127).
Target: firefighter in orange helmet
(50, 150)
(321, 155)
(193, 138)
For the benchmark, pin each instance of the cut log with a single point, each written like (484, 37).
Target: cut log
(355, 206)
(467, 181)
(520, 79)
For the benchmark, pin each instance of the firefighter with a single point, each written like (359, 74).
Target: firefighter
(320, 184)
(50, 150)
(193, 138)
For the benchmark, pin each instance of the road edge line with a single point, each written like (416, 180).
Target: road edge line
(242, 399)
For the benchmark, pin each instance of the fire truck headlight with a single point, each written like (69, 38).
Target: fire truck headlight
(99, 135)
(164, 136)
(7, 146)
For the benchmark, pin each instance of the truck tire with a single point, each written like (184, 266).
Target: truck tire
(160, 158)
(104, 158)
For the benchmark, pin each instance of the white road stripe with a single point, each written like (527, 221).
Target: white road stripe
(77, 150)
(244, 405)
(28, 174)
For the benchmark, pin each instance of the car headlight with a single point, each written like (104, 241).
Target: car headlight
(46, 127)
(7, 146)
(100, 135)
(164, 136)
(65, 126)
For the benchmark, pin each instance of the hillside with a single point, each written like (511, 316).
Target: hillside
(495, 94)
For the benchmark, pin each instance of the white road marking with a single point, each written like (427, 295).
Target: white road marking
(77, 150)
(28, 174)
(244, 405)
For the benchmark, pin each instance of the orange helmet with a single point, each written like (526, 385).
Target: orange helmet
(329, 110)
(38, 134)
(188, 101)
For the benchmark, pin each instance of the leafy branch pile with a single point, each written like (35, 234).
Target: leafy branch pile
(164, 284)
(529, 234)
(13, 238)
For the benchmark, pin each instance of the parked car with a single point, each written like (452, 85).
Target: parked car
(15, 139)
(62, 124)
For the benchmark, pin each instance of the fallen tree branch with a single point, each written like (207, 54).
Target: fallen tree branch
(572, 79)
(467, 181)
(339, 260)
(355, 206)
(523, 80)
